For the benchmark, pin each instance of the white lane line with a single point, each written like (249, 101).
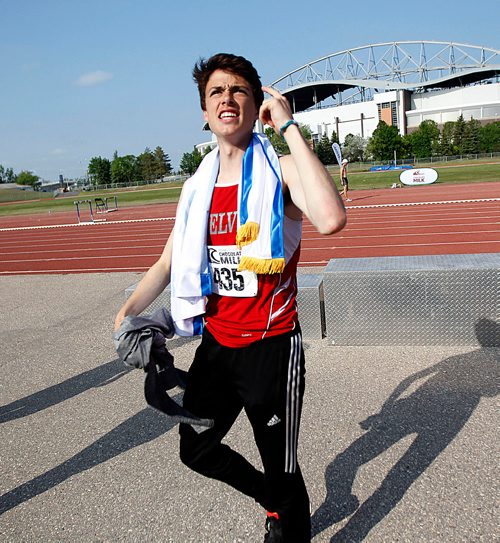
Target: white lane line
(372, 206)
(390, 220)
(93, 249)
(56, 242)
(425, 212)
(67, 259)
(84, 238)
(361, 227)
(406, 228)
(76, 270)
(342, 247)
(47, 226)
(408, 234)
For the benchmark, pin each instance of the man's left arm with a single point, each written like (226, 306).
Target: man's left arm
(311, 187)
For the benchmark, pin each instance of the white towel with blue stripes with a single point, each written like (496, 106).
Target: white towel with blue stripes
(259, 234)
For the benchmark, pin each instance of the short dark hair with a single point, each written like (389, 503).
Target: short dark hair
(234, 64)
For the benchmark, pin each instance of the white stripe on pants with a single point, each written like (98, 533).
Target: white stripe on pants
(293, 404)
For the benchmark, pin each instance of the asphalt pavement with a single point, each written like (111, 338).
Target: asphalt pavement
(398, 444)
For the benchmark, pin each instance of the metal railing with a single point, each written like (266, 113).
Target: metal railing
(427, 160)
(169, 179)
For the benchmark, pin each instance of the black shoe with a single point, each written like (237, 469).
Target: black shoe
(273, 529)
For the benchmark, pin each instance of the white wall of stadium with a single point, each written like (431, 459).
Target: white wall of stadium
(482, 102)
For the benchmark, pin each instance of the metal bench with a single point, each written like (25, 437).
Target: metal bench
(310, 304)
(412, 300)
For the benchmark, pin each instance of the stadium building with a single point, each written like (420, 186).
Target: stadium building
(401, 83)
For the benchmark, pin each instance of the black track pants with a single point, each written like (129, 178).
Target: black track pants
(267, 380)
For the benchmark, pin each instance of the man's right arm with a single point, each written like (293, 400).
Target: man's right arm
(150, 287)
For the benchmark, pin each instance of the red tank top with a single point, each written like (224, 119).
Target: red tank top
(235, 316)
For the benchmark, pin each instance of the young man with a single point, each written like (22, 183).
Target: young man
(233, 256)
(344, 181)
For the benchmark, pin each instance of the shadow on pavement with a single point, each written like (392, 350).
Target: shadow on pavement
(435, 413)
(143, 427)
(96, 377)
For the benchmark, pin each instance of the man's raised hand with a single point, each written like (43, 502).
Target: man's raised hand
(276, 110)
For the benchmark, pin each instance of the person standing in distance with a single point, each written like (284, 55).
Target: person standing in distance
(239, 219)
(344, 181)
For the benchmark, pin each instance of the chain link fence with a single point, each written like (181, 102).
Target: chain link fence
(353, 166)
(443, 160)
(135, 184)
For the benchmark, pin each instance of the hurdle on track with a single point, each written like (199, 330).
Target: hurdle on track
(92, 220)
(102, 204)
(78, 203)
(114, 199)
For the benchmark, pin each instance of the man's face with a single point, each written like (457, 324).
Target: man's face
(230, 108)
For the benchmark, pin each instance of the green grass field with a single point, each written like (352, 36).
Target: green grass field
(163, 193)
(13, 195)
(467, 173)
(126, 197)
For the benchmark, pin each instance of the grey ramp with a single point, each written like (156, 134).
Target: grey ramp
(310, 302)
(417, 300)
(311, 305)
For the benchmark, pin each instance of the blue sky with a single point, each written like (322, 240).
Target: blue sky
(83, 78)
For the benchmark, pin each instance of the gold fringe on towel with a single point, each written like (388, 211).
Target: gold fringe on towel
(247, 233)
(262, 265)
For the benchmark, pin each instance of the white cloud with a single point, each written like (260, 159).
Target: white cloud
(30, 66)
(93, 78)
(58, 151)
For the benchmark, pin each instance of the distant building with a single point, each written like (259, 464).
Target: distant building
(47, 186)
(207, 145)
(15, 186)
(401, 83)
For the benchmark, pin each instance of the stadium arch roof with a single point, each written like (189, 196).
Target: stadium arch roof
(408, 65)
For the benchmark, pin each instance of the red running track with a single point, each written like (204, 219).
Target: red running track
(436, 219)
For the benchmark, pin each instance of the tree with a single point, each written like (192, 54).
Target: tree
(163, 166)
(99, 171)
(125, 169)
(279, 144)
(7, 175)
(424, 142)
(354, 148)
(458, 135)
(334, 138)
(325, 152)
(489, 138)
(384, 141)
(147, 165)
(27, 178)
(446, 146)
(10, 176)
(190, 162)
(471, 137)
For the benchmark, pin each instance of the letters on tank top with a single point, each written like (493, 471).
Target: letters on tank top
(245, 307)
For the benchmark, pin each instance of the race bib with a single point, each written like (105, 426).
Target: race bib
(226, 279)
